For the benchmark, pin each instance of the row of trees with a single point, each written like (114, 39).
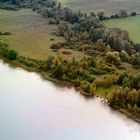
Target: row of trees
(121, 14)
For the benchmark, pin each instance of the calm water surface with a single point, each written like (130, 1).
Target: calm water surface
(34, 109)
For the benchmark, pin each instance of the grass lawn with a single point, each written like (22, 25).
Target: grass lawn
(31, 35)
(108, 5)
(131, 24)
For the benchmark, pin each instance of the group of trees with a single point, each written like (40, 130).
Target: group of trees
(130, 81)
(56, 12)
(5, 51)
(16, 4)
(128, 99)
(121, 14)
(8, 53)
(118, 40)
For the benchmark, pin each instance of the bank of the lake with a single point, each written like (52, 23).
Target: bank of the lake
(97, 93)
(33, 108)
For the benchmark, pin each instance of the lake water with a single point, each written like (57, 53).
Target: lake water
(34, 109)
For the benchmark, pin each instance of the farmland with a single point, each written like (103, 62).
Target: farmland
(108, 5)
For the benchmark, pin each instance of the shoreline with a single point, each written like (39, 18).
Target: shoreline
(45, 76)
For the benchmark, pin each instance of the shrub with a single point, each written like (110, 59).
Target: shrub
(133, 13)
(52, 21)
(7, 6)
(55, 46)
(66, 52)
(5, 33)
(124, 56)
(106, 82)
(123, 13)
(87, 88)
(8, 53)
(112, 57)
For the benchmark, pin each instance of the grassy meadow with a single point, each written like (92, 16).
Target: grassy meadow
(108, 5)
(131, 24)
(31, 34)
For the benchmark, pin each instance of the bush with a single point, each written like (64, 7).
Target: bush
(135, 61)
(123, 13)
(87, 88)
(8, 53)
(8, 6)
(112, 57)
(5, 33)
(137, 47)
(52, 21)
(133, 13)
(55, 46)
(124, 56)
(106, 82)
(66, 52)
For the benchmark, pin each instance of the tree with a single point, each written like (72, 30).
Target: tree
(63, 28)
(93, 14)
(118, 40)
(101, 14)
(58, 72)
(96, 34)
(133, 13)
(123, 13)
(137, 80)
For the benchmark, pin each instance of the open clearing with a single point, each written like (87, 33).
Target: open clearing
(131, 24)
(31, 35)
(108, 5)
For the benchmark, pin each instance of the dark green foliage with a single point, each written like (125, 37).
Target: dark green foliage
(87, 88)
(137, 47)
(58, 72)
(130, 81)
(96, 34)
(133, 13)
(8, 53)
(5, 33)
(8, 6)
(136, 61)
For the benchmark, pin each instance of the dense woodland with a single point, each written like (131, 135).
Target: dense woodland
(111, 52)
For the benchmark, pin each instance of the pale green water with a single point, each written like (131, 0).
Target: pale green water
(33, 109)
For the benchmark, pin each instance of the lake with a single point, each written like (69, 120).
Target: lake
(34, 109)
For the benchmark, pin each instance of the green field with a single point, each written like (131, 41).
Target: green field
(131, 24)
(108, 5)
(31, 35)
